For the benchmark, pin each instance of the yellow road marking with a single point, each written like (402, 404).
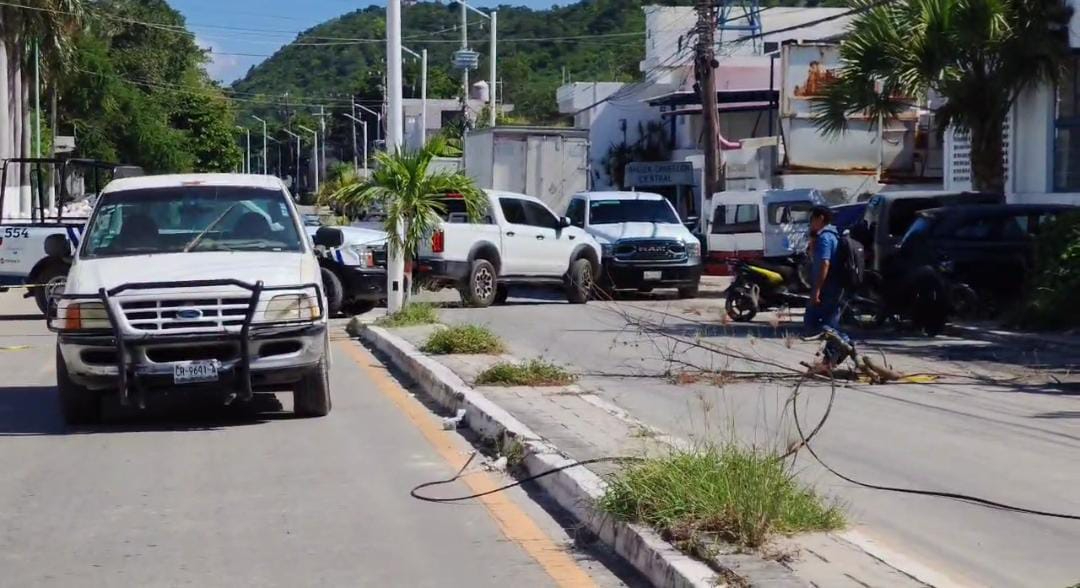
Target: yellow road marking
(513, 522)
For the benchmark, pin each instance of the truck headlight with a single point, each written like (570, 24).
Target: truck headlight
(292, 307)
(85, 315)
(365, 254)
(693, 248)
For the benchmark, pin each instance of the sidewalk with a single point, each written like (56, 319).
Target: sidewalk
(584, 426)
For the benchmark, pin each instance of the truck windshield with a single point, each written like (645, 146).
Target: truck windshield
(191, 218)
(603, 212)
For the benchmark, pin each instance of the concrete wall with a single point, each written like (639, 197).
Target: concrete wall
(611, 123)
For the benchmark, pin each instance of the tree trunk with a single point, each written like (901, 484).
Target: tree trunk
(25, 138)
(987, 163)
(53, 100)
(6, 128)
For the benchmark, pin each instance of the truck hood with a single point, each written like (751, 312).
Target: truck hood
(356, 235)
(610, 233)
(87, 276)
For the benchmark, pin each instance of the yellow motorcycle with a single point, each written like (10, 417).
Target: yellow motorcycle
(762, 285)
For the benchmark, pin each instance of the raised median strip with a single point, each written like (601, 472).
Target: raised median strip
(577, 490)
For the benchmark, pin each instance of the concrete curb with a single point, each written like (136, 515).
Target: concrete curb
(574, 489)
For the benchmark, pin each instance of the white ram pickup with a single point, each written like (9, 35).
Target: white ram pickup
(188, 283)
(518, 241)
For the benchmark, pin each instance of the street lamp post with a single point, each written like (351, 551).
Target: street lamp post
(247, 157)
(355, 163)
(378, 119)
(494, 18)
(314, 153)
(364, 123)
(264, 155)
(423, 91)
(292, 134)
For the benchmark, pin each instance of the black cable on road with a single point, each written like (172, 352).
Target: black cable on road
(805, 442)
(415, 492)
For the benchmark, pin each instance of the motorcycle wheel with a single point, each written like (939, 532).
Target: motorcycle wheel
(741, 306)
(964, 301)
(929, 311)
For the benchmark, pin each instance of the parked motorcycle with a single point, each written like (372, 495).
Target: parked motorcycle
(765, 285)
(921, 298)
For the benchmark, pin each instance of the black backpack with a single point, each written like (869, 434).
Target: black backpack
(849, 262)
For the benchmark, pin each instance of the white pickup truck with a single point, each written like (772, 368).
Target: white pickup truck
(189, 282)
(353, 262)
(32, 250)
(518, 241)
(644, 243)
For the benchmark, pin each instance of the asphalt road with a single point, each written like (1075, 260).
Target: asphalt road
(1016, 443)
(193, 495)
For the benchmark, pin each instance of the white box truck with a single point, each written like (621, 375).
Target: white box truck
(551, 164)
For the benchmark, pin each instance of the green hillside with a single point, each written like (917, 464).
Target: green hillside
(530, 70)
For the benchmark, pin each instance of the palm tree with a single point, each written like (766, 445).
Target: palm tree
(52, 25)
(979, 55)
(411, 196)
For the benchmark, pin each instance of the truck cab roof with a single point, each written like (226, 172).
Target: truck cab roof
(180, 180)
(619, 195)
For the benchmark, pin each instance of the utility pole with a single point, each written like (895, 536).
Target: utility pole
(247, 157)
(355, 162)
(314, 154)
(364, 123)
(354, 123)
(395, 266)
(297, 180)
(378, 119)
(705, 72)
(264, 155)
(491, 70)
(322, 129)
(464, 47)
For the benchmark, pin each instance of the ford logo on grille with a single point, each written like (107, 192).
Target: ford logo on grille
(189, 314)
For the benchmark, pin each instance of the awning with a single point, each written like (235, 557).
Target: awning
(742, 98)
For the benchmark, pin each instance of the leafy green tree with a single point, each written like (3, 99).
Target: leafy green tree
(410, 194)
(979, 55)
(139, 95)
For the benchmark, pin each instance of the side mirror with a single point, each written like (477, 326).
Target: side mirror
(329, 237)
(57, 246)
(691, 221)
(564, 221)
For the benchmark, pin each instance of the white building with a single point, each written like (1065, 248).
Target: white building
(440, 112)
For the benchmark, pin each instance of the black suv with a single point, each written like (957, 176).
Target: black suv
(989, 248)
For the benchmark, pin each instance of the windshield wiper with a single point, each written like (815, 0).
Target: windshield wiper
(198, 238)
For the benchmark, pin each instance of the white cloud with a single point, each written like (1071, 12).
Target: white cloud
(223, 68)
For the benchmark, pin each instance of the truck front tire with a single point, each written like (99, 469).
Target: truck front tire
(689, 291)
(311, 395)
(581, 281)
(481, 285)
(335, 291)
(54, 276)
(79, 405)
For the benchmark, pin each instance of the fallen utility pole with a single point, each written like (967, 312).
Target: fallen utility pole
(705, 65)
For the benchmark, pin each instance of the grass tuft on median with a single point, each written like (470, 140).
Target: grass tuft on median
(464, 339)
(410, 315)
(534, 372)
(740, 495)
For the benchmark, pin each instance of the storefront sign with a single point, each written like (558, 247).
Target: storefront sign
(656, 174)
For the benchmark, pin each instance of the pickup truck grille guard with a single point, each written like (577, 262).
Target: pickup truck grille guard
(128, 383)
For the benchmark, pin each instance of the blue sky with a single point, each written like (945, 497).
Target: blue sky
(270, 24)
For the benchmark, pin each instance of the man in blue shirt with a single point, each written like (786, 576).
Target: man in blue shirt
(823, 308)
